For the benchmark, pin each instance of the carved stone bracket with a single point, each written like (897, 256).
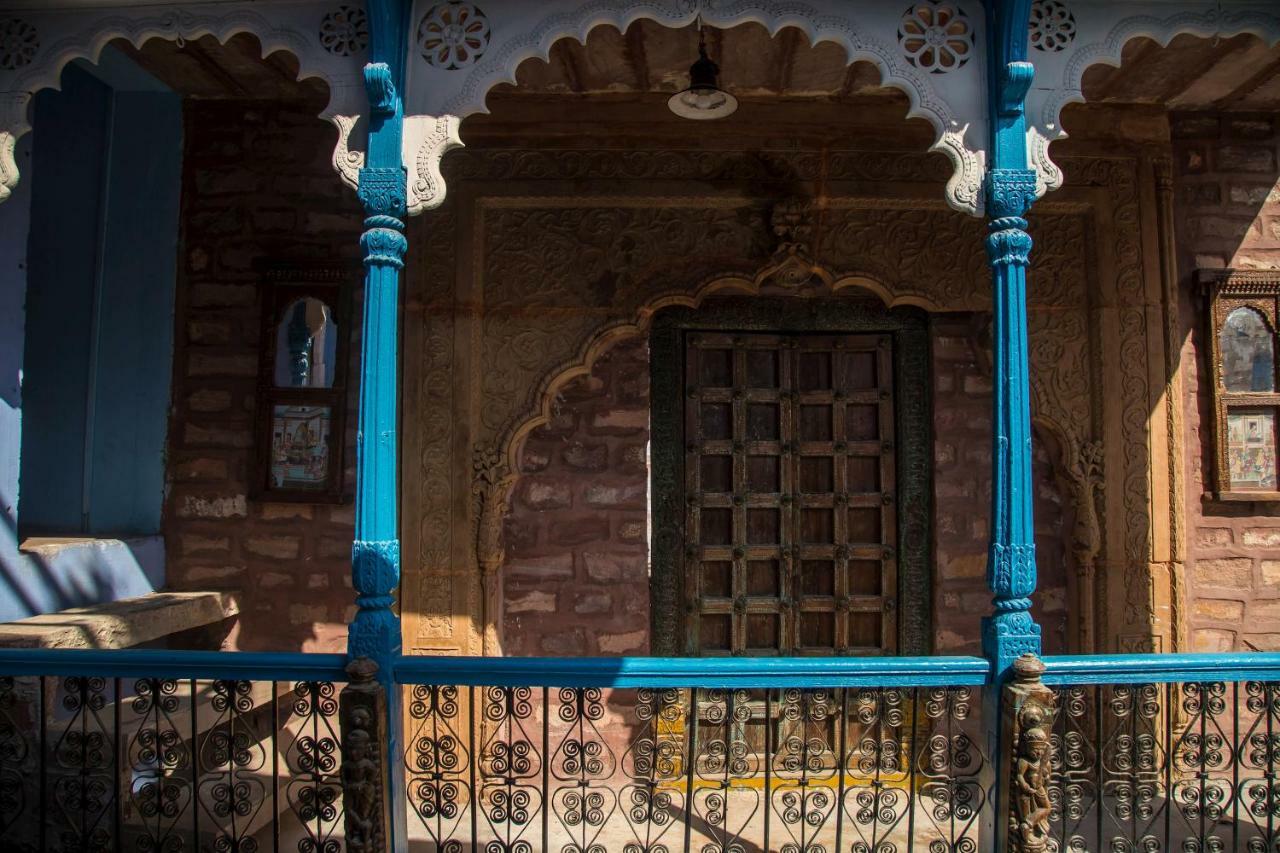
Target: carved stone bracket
(1028, 709)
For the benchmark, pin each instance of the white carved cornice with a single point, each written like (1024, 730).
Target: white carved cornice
(1099, 31)
(325, 37)
(506, 32)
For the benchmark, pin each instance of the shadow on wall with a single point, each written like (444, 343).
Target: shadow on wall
(52, 575)
(1227, 215)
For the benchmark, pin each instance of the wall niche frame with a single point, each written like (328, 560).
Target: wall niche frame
(301, 402)
(1245, 433)
(852, 314)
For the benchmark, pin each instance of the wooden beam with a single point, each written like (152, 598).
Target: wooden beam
(789, 42)
(565, 53)
(636, 56)
(1253, 83)
(215, 70)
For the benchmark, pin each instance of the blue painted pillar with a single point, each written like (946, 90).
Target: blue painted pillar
(1010, 190)
(375, 553)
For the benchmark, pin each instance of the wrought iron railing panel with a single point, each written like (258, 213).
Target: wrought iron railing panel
(163, 765)
(1188, 766)
(707, 769)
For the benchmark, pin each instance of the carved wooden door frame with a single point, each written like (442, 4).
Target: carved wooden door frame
(909, 328)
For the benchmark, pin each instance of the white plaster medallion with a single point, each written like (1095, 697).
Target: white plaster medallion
(1052, 26)
(345, 31)
(935, 36)
(453, 34)
(18, 43)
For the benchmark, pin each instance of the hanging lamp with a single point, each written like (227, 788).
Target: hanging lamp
(704, 99)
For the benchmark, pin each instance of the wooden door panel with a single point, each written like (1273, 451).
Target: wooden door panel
(789, 526)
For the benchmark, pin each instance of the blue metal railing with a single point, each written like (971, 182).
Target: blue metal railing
(1161, 669)
(162, 663)
(149, 749)
(657, 672)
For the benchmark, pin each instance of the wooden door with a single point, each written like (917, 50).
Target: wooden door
(789, 472)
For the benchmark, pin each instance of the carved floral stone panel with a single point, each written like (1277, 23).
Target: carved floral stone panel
(547, 276)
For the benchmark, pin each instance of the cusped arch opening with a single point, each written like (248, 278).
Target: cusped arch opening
(605, 339)
(616, 77)
(231, 62)
(1147, 67)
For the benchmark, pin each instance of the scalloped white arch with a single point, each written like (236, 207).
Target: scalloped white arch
(522, 30)
(1103, 31)
(76, 34)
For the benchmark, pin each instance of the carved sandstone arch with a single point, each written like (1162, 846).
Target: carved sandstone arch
(68, 35)
(496, 469)
(438, 99)
(1059, 76)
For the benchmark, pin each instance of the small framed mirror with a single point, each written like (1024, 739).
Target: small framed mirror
(302, 393)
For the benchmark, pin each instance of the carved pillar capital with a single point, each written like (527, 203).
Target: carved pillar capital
(382, 191)
(1010, 192)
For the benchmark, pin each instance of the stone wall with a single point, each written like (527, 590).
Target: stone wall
(1227, 214)
(962, 499)
(575, 576)
(258, 186)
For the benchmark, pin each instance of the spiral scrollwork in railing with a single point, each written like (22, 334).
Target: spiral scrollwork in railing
(82, 767)
(1185, 766)
(510, 763)
(314, 791)
(233, 757)
(652, 797)
(438, 762)
(949, 767)
(160, 762)
(726, 763)
(584, 762)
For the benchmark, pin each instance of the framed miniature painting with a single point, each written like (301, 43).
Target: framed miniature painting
(302, 388)
(1242, 310)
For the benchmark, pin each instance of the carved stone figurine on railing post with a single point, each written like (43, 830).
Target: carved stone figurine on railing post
(1027, 714)
(362, 710)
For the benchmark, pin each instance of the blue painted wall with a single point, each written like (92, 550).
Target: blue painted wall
(99, 309)
(94, 222)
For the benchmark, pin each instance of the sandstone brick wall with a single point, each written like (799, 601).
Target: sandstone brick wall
(1227, 214)
(257, 185)
(576, 575)
(962, 500)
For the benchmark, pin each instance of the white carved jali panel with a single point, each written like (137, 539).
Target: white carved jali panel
(546, 278)
(329, 39)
